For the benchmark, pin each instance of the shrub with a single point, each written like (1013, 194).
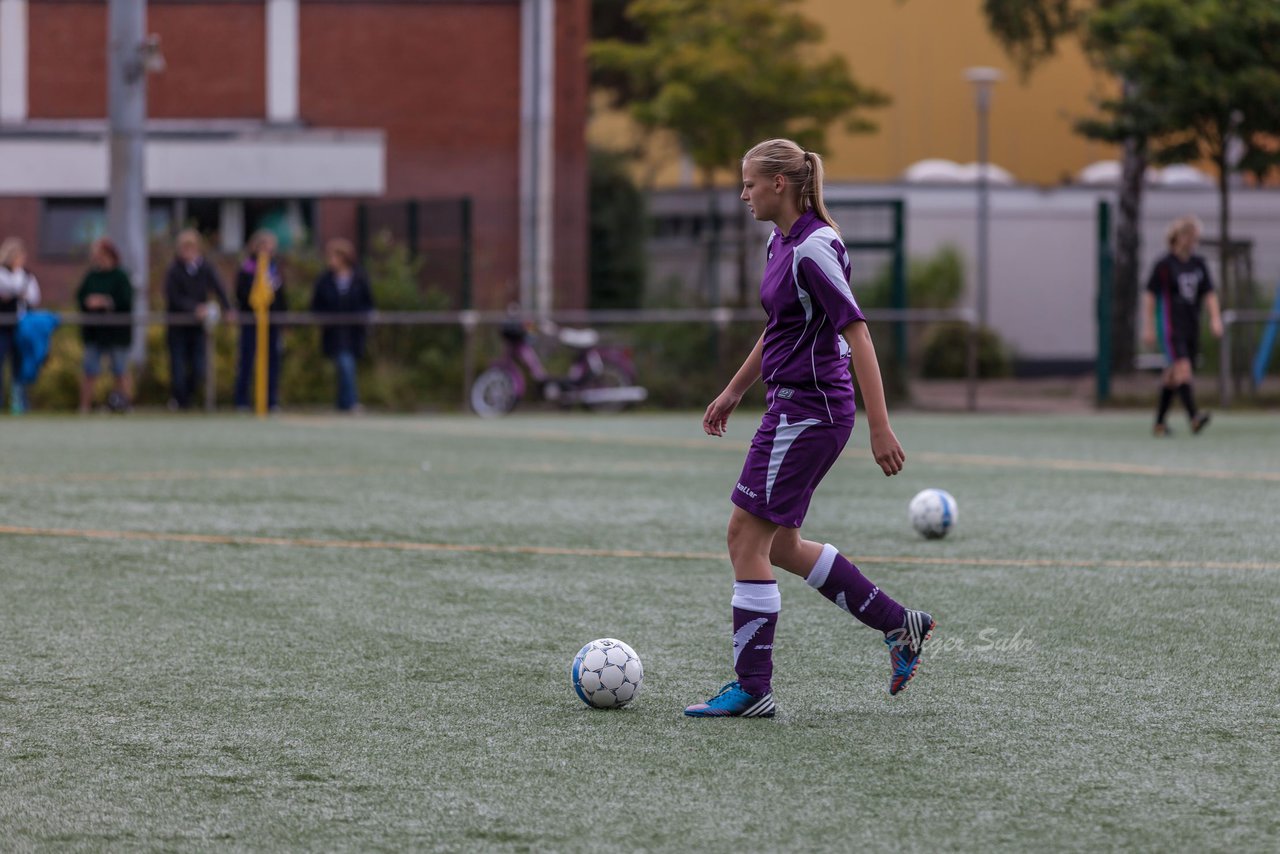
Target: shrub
(946, 353)
(618, 228)
(932, 282)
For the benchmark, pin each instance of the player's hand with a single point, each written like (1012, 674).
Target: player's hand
(1148, 338)
(1215, 326)
(886, 450)
(716, 418)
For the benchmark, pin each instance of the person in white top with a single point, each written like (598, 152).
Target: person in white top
(19, 291)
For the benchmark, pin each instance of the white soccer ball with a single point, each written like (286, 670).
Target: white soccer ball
(933, 512)
(606, 674)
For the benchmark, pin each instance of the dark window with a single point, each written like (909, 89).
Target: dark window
(292, 221)
(68, 226)
(204, 215)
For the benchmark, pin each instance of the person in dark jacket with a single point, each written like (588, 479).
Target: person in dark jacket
(190, 286)
(106, 290)
(262, 241)
(343, 289)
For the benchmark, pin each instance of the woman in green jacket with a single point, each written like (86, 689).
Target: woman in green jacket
(106, 289)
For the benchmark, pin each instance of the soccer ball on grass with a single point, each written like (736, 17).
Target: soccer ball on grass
(606, 674)
(932, 512)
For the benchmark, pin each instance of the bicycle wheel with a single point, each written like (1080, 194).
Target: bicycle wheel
(611, 376)
(493, 394)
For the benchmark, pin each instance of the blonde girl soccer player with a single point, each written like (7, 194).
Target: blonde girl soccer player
(1178, 287)
(814, 329)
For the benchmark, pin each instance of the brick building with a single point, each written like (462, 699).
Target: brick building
(296, 113)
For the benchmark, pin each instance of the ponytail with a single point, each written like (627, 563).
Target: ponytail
(802, 169)
(811, 192)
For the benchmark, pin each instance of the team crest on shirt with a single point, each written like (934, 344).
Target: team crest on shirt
(1189, 285)
(786, 393)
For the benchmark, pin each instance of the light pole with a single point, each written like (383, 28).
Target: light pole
(983, 79)
(131, 55)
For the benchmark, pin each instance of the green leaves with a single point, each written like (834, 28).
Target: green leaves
(725, 74)
(1202, 71)
(1029, 30)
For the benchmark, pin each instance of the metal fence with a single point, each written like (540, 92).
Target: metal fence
(473, 324)
(437, 234)
(1230, 380)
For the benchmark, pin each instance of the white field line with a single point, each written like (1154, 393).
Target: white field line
(706, 443)
(197, 474)
(558, 551)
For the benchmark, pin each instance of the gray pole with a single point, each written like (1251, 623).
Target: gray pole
(127, 53)
(982, 79)
(984, 103)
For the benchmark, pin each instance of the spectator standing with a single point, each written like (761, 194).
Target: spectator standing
(343, 289)
(262, 241)
(190, 287)
(104, 291)
(19, 291)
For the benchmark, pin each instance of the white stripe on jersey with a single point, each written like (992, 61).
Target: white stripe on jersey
(817, 248)
(813, 363)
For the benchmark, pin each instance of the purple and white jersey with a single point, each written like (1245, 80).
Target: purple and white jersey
(806, 293)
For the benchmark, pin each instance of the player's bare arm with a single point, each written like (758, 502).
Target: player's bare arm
(1215, 313)
(885, 448)
(1148, 319)
(718, 411)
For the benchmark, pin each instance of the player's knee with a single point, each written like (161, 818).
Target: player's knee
(782, 550)
(733, 536)
(743, 536)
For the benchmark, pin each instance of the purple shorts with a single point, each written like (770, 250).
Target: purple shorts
(787, 460)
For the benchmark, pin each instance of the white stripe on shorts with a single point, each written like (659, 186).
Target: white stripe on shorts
(783, 437)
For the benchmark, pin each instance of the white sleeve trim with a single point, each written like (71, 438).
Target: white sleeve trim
(817, 248)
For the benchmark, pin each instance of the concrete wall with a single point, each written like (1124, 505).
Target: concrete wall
(1043, 249)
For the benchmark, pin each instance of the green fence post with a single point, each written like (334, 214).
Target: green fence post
(899, 287)
(1105, 286)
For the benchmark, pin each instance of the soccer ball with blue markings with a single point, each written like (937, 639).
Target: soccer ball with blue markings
(606, 674)
(933, 513)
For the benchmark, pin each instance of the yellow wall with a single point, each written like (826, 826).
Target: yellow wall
(916, 51)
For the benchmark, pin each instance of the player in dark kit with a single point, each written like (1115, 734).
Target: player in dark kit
(814, 330)
(1178, 286)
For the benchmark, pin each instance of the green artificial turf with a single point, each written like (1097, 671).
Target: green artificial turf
(1104, 675)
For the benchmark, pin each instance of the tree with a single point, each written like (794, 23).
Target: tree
(1030, 31)
(1199, 80)
(1207, 74)
(725, 74)
(609, 22)
(617, 234)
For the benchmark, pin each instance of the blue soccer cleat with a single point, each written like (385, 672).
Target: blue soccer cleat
(905, 645)
(733, 702)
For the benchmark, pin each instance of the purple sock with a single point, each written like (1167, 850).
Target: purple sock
(755, 616)
(840, 581)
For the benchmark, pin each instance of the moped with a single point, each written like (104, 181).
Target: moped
(603, 379)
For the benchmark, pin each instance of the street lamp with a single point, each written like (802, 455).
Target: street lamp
(983, 79)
